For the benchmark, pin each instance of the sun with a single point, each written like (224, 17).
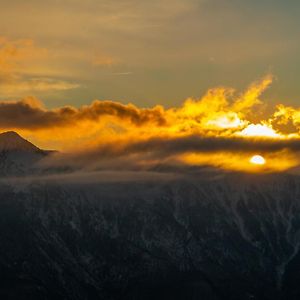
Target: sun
(257, 160)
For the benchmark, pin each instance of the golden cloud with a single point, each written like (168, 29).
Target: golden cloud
(215, 130)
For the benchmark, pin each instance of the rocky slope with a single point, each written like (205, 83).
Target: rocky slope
(233, 237)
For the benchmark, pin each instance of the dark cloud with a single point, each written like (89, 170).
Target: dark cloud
(161, 151)
(164, 146)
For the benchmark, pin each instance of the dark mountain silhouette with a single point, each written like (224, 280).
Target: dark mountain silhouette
(230, 238)
(17, 155)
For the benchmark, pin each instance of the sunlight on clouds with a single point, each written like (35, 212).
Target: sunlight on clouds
(251, 96)
(225, 121)
(240, 162)
(214, 130)
(262, 130)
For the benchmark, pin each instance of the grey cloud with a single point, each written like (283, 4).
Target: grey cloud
(162, 151)
(24, 115)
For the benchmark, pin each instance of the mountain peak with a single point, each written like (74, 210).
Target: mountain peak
(11, 134)
(12, 141)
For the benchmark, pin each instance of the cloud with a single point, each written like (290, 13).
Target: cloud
(35, 85)
(214, 130)
(195, 143)
(13, 52)
(181, 155)
(251, 96)
(219, 111)
(26, 114)
(164, 147)
(17, 58)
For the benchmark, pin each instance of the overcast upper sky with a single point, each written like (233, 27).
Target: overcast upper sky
(146, 52)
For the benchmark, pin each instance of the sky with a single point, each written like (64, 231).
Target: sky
(148, 52)
(132, 77)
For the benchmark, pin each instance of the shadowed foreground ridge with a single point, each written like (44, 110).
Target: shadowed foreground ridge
(229, 238)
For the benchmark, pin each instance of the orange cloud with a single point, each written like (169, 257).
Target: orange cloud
(17, 58)
(215, 126)
(251, 96)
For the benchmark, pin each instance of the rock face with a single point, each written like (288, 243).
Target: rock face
(236, 237)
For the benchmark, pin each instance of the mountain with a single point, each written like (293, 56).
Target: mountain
(17, 155)
(229, 237)
(208, 236)
(12, 141)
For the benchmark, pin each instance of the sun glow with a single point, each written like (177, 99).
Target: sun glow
(257, 160)
(259, 130)
(220, 129)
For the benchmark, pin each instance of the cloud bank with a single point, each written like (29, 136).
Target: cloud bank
(221, 129)
(29, 113)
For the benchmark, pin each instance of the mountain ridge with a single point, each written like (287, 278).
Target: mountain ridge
(231, 238)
